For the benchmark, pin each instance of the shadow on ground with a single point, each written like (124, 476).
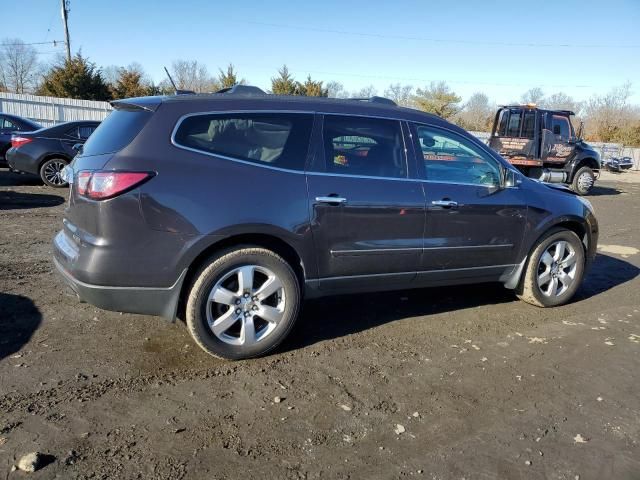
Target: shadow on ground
(10, 200)
(338, 316)
(334, 317)
(12, 179)
(599, 190)
(606, 272)
(19, 319)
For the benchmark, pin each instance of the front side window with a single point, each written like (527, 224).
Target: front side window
(561, 128)
(362, 146)
(450, 158)
(275, 139)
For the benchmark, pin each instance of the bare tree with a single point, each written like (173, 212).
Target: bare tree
(608, 115)
(19, 66)
(561, 101)
(366, 92)
(336, 90)
(401, 94)
(477, 113)
(192, 75)
(533, 95)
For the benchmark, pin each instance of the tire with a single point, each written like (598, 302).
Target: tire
(534, 289)
(269, 315)
(583, 181)
(50, 172)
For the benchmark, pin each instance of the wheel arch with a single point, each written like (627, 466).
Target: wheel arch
(514, 279)
(265, 240)
(590, 162)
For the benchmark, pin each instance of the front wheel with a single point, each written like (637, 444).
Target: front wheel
(243, 303)
(51, 172)
(554, 270)
(583, 181)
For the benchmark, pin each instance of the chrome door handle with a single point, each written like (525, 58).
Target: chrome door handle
(330, 199)
(444, 203)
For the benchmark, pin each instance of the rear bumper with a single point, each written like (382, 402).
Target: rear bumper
(144, 300)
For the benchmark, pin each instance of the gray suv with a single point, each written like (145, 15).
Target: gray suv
(228, 209)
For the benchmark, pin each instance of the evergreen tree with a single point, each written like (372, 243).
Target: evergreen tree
(311, 88)
(76, 78)
(437, 99)
(229, 78)
(284, 83)
(130, 83)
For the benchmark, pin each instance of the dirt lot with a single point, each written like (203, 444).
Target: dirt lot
(461, 382)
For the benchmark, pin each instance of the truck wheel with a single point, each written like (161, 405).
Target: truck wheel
(583, 181)
(554, 270)
(243, 303)
(51, 172)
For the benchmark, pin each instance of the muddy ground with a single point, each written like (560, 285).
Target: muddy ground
(447, 383)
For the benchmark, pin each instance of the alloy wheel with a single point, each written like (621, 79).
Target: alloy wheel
(557, 268)
(245, 305)
(53, 173)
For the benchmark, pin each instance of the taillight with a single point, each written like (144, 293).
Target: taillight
(17, 141)
(102, 185)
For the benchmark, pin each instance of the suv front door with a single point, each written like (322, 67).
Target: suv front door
(474, 225)
(367, 216)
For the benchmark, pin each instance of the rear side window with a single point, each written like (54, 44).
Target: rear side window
(116, 131)
(275, 139)
(361, 146)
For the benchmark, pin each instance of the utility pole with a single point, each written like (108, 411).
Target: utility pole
(65, 16)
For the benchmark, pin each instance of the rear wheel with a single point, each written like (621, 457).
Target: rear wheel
(51, 172)
(554, 270)
(243, 303)
(583, 180)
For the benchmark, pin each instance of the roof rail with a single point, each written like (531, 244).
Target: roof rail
(184, 92)
(242, 90)
(375, 99)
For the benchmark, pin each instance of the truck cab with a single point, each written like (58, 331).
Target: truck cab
(544, 145)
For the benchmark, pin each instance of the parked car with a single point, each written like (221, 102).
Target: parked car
(10, 124)
(230, 208)
(618, 164)
(47, 151)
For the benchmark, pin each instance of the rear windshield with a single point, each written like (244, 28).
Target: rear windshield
(116, 132)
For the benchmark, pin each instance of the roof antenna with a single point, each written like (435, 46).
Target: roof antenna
(175, 89)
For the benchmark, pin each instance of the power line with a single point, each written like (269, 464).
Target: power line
(437, 40)
(423, 80)
(55, 43)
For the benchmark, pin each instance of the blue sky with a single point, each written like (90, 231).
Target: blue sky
(498, 47)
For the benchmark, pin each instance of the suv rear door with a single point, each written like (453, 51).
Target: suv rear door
(367, 216)
(474, 225)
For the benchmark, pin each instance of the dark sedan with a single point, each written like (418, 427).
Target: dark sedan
(47, 151)
(10, 124)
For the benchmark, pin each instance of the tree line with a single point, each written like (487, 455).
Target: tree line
(609, 117)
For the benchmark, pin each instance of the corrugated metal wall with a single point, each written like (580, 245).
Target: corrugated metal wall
(49, 111)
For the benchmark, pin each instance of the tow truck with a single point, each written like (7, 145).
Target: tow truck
(542, 144)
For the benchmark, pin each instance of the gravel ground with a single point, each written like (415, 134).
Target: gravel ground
(461, 382)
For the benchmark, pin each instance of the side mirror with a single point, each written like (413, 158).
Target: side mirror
(78, 148)
(512, 179)
(580, 130)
